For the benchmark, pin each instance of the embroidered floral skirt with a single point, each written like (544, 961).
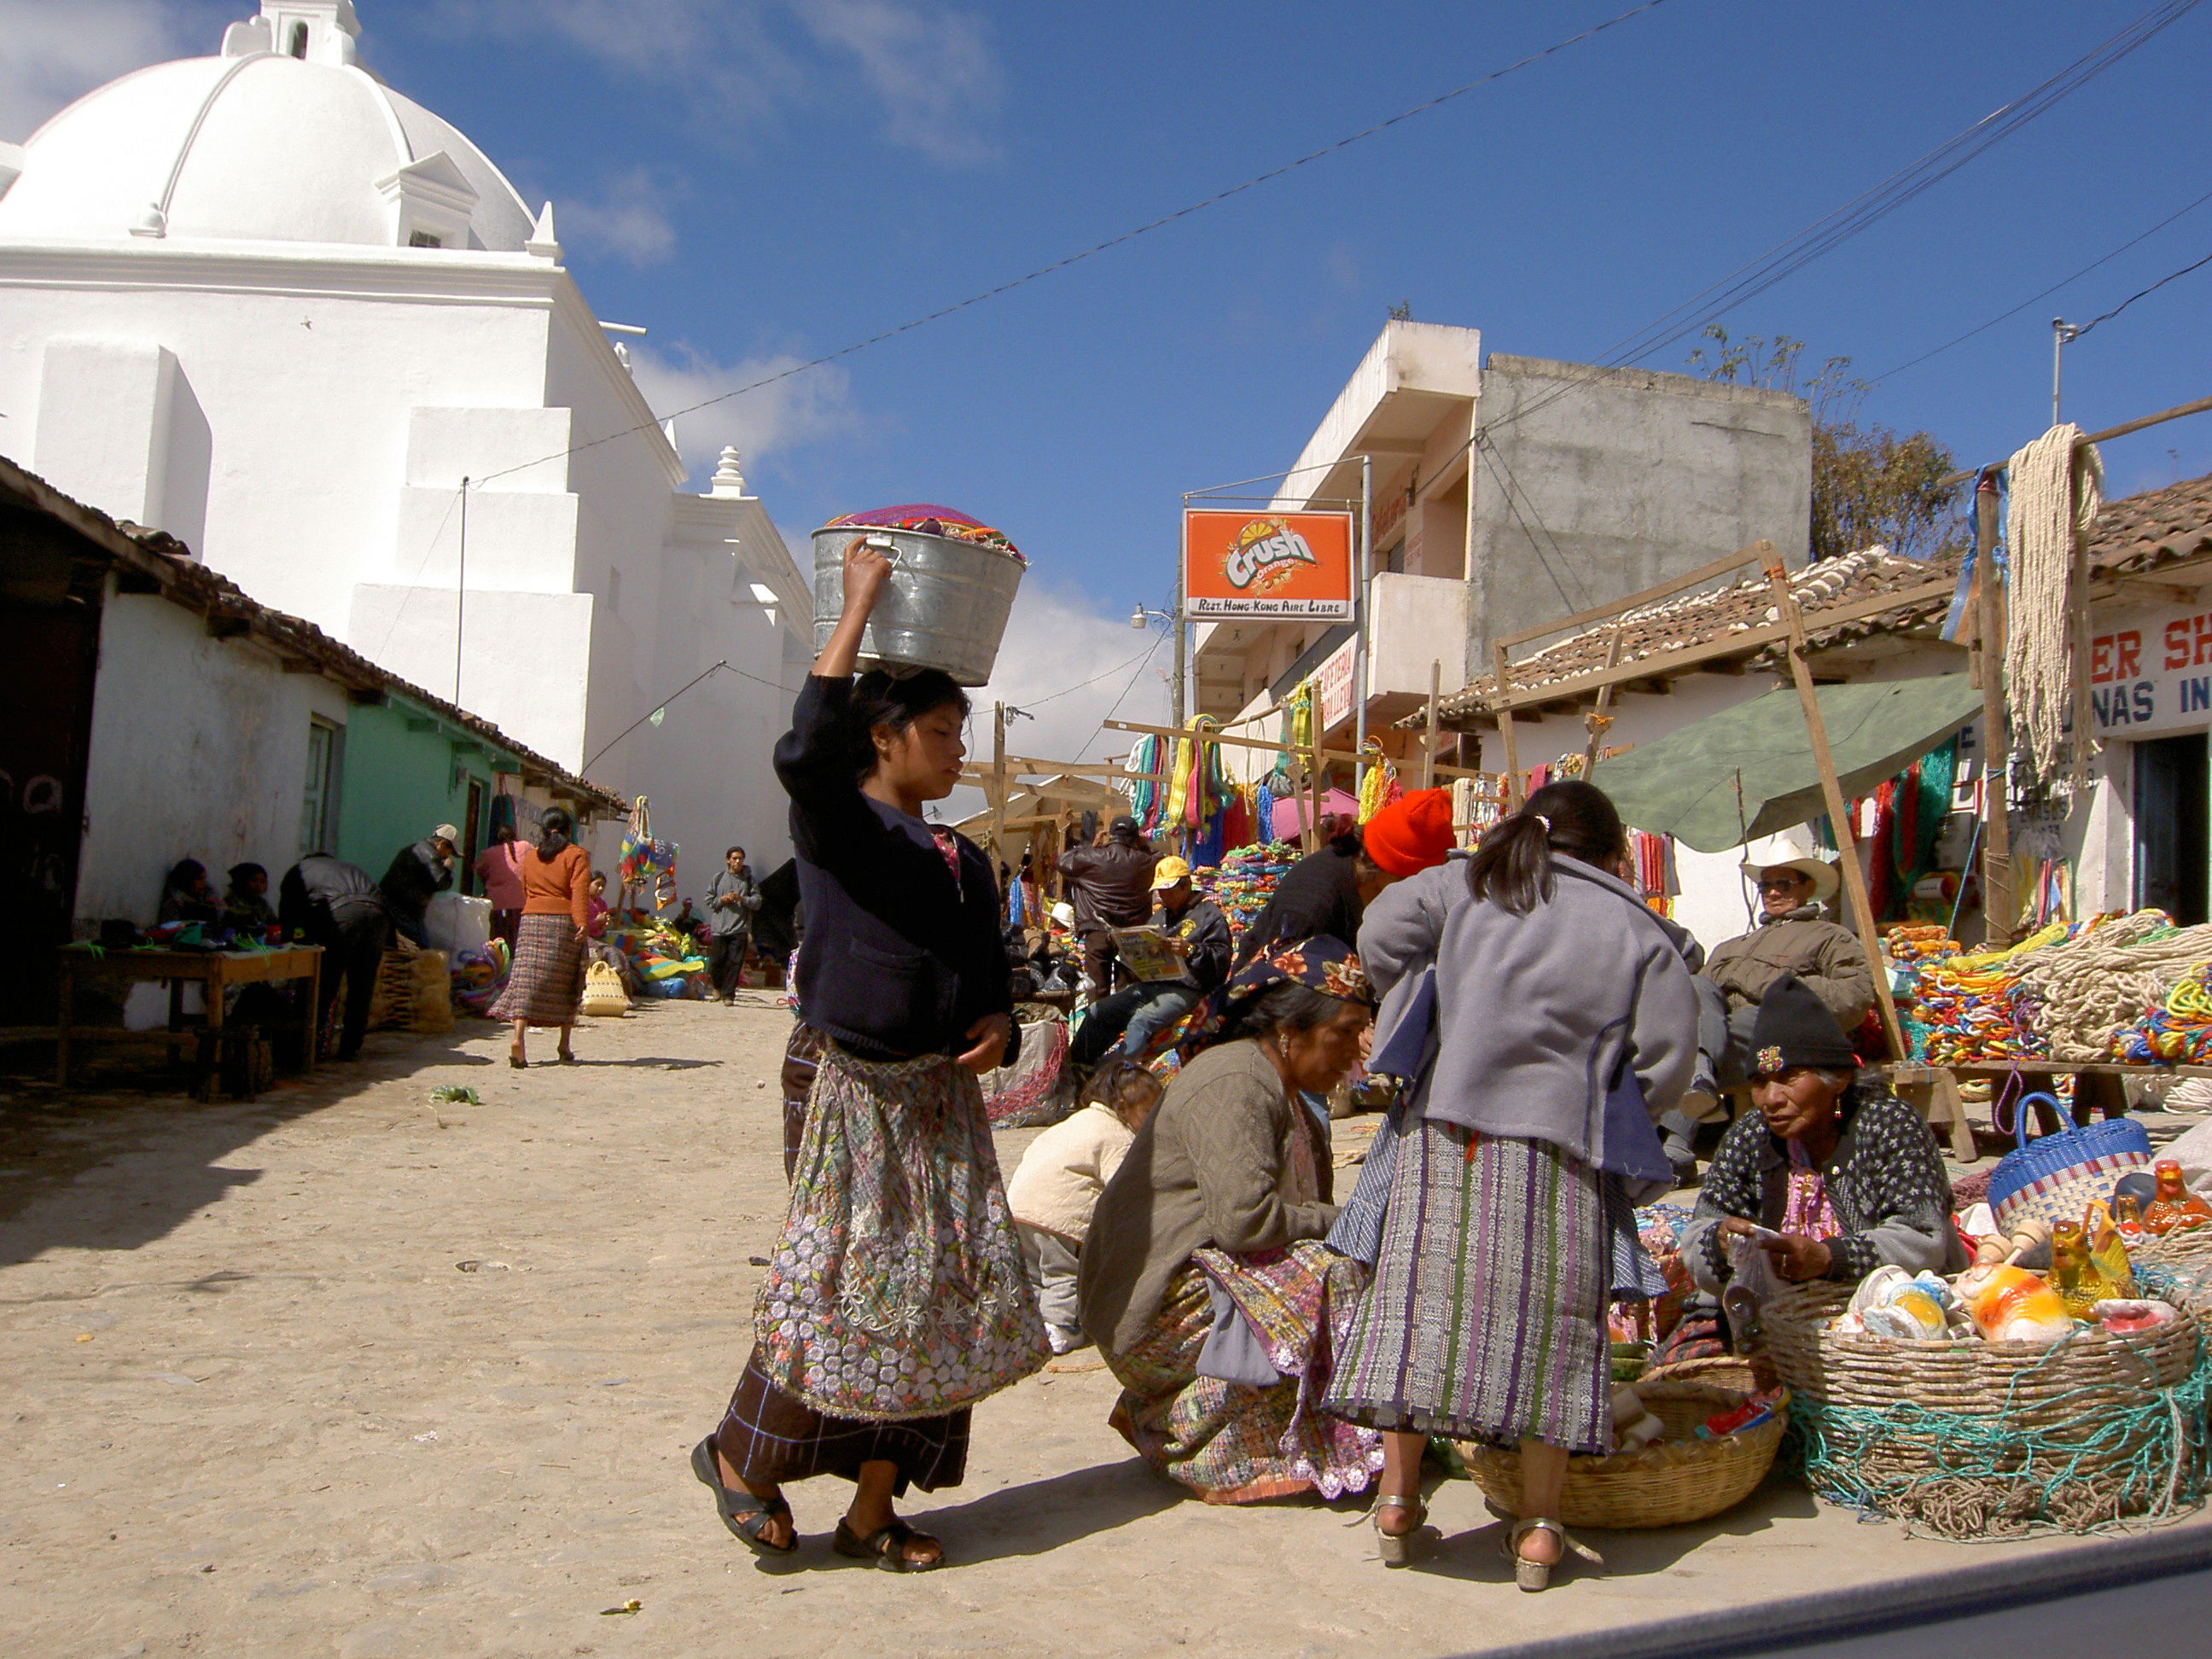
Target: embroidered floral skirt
(897, 1290)
(1231, 1443)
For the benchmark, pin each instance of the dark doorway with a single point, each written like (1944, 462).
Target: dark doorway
(2172, 851)
(46, 665)
(470, 830)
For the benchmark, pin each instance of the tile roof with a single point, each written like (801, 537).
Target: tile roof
(2138, 534)
(157, 556)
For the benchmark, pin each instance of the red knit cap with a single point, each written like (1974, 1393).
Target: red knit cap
(1412, 834)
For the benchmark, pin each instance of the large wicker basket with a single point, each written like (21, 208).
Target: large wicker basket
(1681, 1478)
(1980, 1439)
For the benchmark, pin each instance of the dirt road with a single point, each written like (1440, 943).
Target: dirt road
(341, 1373)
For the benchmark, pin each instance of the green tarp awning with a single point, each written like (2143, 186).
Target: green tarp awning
(1686, 783)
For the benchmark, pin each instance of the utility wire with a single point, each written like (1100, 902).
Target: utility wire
(1146, 229)
(2045, 294)
(2139, 293)
(1032, 702)
(1833, 229)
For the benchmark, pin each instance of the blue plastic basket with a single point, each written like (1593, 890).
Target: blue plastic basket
(2054, 1178)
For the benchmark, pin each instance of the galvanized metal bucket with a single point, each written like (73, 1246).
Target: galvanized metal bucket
(945, 606)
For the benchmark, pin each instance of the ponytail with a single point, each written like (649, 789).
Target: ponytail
(553, 832)
(1512, 866)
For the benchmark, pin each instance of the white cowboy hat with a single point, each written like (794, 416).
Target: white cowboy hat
(1793, 851)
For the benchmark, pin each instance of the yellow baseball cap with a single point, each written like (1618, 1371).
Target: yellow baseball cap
(1168, 871)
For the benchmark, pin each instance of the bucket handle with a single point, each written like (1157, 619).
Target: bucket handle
(886, 546)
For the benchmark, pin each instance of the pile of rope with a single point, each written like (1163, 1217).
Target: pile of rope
(2085, 993)
(2058, 489)
(1998, 1476)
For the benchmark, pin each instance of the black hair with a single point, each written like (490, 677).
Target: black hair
(183, 874)
(898, 702)
(727, 852)
(554, 830)
(1289, 1006)
(501, 833)
(1512, 867)
(241, 873)
(1117, 1085)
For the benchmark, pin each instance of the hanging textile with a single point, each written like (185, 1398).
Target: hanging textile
(1263, 813)
(1924, 801)
(1883, 885)
(1380, 787)
(1297, 728)
(2057, 490)
(643, 861)
(1144, 791)
(1209, 782)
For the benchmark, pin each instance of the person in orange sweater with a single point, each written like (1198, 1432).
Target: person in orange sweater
(546, 985)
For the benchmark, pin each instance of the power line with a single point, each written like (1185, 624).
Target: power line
(1124, 698)
(1111, 242)
(2045, 294)
(1824, 234)
(1032, 702)
(2139, 293)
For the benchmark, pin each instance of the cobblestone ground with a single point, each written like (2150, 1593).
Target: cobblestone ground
(341, 1373)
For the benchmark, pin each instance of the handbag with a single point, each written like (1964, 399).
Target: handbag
(603, 996)
(2054, 1178)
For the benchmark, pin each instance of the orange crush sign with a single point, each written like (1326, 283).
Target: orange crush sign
(1268, 564)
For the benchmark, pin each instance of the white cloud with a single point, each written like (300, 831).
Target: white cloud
(797, 409)
(629, 220)
(933, 69)
(928, 71)
(1054, 640)
(54, 52)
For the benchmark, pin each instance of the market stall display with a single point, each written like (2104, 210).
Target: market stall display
(2059, 1384)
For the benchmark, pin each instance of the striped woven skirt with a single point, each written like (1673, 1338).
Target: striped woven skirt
(546, 984)
(1232, 1442)
(1486, 1316)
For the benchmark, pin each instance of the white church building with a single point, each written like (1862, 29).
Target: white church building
(265, 302)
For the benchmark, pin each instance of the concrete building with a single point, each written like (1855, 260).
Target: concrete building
(265, 302)
(151, 711)
(1507, 493)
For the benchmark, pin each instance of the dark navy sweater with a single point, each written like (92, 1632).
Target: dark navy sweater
(899, 957)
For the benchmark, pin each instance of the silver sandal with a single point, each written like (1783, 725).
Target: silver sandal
(1537, 1575)
(1396, 1549)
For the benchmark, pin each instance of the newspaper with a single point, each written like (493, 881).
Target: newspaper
(1149, 955)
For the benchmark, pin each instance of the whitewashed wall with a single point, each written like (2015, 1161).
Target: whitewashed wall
(199, 749)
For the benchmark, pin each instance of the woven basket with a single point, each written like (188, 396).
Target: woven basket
(1680, 1479)
(2053, 1178)
(1741, 1373)
(393, 1006)
(2041, 1418)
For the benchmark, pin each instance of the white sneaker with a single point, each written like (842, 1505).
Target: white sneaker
(1066, 1339)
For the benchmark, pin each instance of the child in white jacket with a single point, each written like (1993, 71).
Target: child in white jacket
(1056, 1187)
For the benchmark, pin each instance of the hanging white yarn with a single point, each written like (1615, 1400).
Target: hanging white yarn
(2057, 486)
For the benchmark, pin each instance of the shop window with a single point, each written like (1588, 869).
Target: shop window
(299, 46)
(318, 802)
(2173, 853)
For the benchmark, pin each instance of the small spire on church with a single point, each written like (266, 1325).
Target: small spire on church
(542, 243)
(729, 476)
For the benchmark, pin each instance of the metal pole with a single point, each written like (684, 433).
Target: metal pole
(461, 594)
(1360, 615)
(997, 787)
(1182, 599)
(1429, 736)
(2062, 334)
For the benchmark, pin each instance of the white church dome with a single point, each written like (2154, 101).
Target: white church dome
(283, 138)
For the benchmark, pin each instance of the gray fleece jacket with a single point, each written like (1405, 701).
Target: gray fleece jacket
(1534, 1013)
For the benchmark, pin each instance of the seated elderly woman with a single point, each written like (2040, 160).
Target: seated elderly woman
(1204, 1281)
(1846, 1175)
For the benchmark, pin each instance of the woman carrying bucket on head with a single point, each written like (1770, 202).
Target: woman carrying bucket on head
(897, 1296)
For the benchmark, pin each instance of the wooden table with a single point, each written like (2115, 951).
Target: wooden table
(2100, 1089)
(215, 970)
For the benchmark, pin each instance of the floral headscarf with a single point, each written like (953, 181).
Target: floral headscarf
(1322, 963)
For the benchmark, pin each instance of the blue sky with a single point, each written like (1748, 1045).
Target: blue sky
(758, 181)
